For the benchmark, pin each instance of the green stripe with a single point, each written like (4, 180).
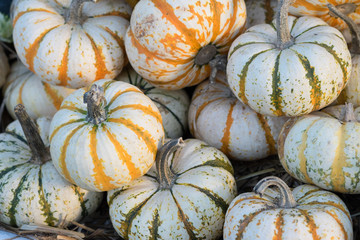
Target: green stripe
(154, 226)
(217, 162)
(245, 44)
(292, 27)
(243, 75)
(314, 82)
(218, 201)
(16, 199)
(84, 211)
(5, 171)
(45, 207)
(276, 95)
(16, 136)
(308, 29)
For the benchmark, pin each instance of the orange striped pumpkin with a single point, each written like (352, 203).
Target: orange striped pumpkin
(305, 213)
(71, 43)
(40, 98)
(217, 117)
(170, 43)
(318, 8)
(103, 154)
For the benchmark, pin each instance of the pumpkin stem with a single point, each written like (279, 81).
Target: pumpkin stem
(96, 102)
(286, 200)
(73, 14)
(165, 175)
(284, 39)
(40, 153)
(218, 63)
(354, 29)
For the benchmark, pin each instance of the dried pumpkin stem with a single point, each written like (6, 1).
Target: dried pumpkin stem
(354, 29)
(96, 102)
(165, 175)
(286, 200)
(284, 39)
(74, 15)
(40, 152)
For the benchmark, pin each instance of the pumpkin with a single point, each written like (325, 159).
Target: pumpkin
(184, 196)
(322, 148)
(172, 43)
(105, 135)
(351, 93)
(318, 8)
(4, 66)
(32, 191)
(10, 235)
(172, 104)
(71, 43)
(305, 213)
(217, 117)
(259, 11)
(40, 98)
(297, 67)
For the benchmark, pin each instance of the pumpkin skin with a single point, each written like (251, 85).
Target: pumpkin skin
(68, 53)
(217, 117)
(102, 156)
(4, 66)
(322, 149)
(318, 8)
(319, 214)
(36, 193)
(303, 77)
(259, 11)
(165, 37)
(172, 104)
(40, 98)
(193, 207)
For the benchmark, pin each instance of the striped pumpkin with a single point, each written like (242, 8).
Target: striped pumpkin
(71, 43)
(170, 43)
(39, 97)
(306, 213)
(184, 197)
(100, 154)
(217, 117)
(318, 8)
(34, 192)
(173, 105)
(4, 66)
(259, 11)
(322, 149)
(294, 74)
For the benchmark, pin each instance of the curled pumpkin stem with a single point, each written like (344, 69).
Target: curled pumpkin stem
(284, 39)
(96, 102)
(40, 153)
(286, 200)
(165, 175)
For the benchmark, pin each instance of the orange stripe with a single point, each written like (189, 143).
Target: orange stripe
(54, 95)
(101, 70)
(117, 38)
(217, 8)
(279, 223)
(268, 135)
(139, 131)
(101, 180)
(339, 162)
(63, 67)
(116, 95)
(62, 162)
(309, 6)
(63, 125)
(310, 224)
(31, 10)
(73, 108)
(134, 172)
(21, 88)
(226, 136)
(31, 51)
(114, 13)
(341, 224)
(146, 110)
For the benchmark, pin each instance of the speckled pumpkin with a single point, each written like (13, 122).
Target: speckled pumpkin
(71, 43)
(184, 197)
(306, 213)
(32, 191)
(217, 117)
(105, 135)
(172, 104)
(289, 68)
(171, 43)
(322, 148)
(40, 98)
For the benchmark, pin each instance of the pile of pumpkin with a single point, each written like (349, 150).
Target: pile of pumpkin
(101, 93)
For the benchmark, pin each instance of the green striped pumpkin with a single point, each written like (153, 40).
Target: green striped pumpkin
(184, 197)
(172, 104)
(33, 193)
(323, 149)
(305, 213)
(294, 74)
